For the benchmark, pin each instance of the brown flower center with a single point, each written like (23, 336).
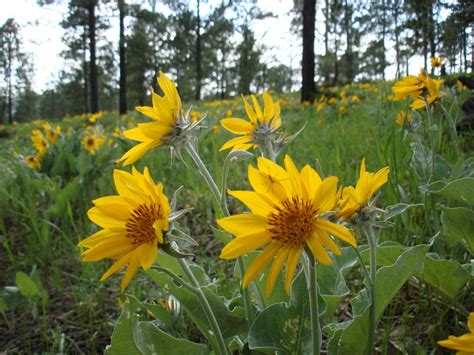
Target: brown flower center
(293, 222)
(140, 224)
(90, 141)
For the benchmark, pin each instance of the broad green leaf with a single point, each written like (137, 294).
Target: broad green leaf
(26, 285)
(461, 190)
(152, 340)
(390, 279)
(458, 224)
(286, 327)
(132, 336)
(223, 236)
(447, 276)
(398, 209)
(231, 322)
(331, 280)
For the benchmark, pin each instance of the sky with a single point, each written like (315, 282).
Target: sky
(41, 34)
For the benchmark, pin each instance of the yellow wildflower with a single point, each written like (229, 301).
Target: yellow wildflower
(92, 142)
(228, 113)
(286, 215)
(253, 132)
(134, 223)
(409, 86)
(40, 143)
(320, 106)
(432, 87)
(52, 134)
(165, 113)
(215, 129)
(95, 117)
(354, 199)
(342, 109)
(461, 87)
(332, 101)
(463, 344)
(33, 162)
(402, 116)
(437, 62)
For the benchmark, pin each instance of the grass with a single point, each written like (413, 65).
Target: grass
(43, 217)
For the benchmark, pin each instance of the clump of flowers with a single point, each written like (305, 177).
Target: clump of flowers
(437, 62)
(95, 117)
(52, 134)
(40, 143)
(33, 162)
(403, 116)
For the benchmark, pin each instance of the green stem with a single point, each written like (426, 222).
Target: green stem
(206, 307)
(432, 140)
(372, 239)
(362, 265)
(453, 131)
(225, 212)
(316, 336)
(271, 151)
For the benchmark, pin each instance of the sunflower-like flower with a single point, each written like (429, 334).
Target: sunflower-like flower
(51, 133)
(410, 86)
(168, 128)
(437, 62)
(432, 93)
(95, 117)
(403, 116)
(354, 199)
(288, 208)
(92, 142)
(133, 222)
(40, 143)
(260, 128)
(33, 162)
(463, 344)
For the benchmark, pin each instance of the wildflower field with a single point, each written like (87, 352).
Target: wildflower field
(250, 225)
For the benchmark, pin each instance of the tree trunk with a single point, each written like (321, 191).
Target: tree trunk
(93, 59)
(472, 50)
(123, 62)
(309, 17)
(85, 73)
(347, 24)
(397, 39)
(464, 43)
(383, 39)
(198, 53)
(9, 87)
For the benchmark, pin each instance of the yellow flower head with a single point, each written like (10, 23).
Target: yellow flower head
(353, 199)
(33, 162)
(215, 129)
(95, 117)
(433, 92)
(410, 86)
(165, 113)
(40, 143)
(52, 134)
(320, 106)
(261, 124)
(437, 62)
(403, 116)
(355, 99)
(133, 222)
(92, 142)
(342, 109)
(287, 208)
(463, 344)
(228, 113)
(195, 116)
(332, 101)
(461, 87)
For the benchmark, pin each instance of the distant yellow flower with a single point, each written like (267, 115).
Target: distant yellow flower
(332, 101)
(355, 99)
(354, 199)
(287, 207)
(92, 142)
(437, 62)
(461, 87)
(215, 129)
(133, 222)
(228, 113)
(195, 116)
(255, 131)
(433, 91)
(342, 109)
(306, 103)
(165, 113)
(95, 117)
(320, 106)
(463, 344)
(51, 133)
(33, 162)
(117, 133)
(69, 131)
(40, 143)
(402, 116)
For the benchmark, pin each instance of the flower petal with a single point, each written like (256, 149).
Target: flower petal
(245, 244)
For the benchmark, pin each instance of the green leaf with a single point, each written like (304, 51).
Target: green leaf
(132, 336)
(390, 279)
(459, 190)
(231, 322)
(332, 285)
(447, 276)
(458, 225)
(286, 327)
(224, 237)
(398, 209)
(26, 285)
(152, 340)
